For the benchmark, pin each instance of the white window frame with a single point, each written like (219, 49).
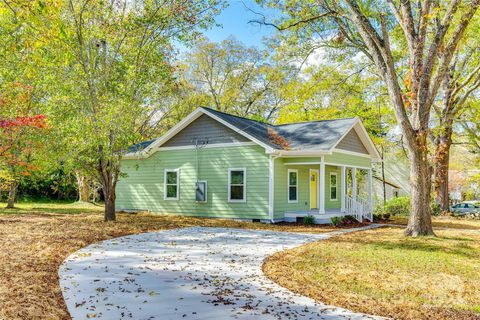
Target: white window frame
(291, 185)
(206, 191)
(330, 186)
(165, 184)
(244, 185)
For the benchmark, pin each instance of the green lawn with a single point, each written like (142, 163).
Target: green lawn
(384, 273)
(61, 207)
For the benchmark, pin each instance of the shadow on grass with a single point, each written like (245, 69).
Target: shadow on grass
(457, 249)
(53, 208)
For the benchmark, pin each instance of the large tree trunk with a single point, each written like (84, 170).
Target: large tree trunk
(83, 188)
(441, 165)
(420, 219)
(12, 194)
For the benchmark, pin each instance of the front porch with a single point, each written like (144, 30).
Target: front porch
(327, 189)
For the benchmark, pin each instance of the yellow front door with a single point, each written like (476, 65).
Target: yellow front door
(313, 189)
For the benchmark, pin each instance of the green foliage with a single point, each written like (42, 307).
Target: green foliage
(343, 221)
(436, 210)
(309, 220)
(335, 221)
(394, 207)
(101, 69)
(232, 77)
(48, 184)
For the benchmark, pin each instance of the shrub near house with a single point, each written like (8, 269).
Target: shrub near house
(394, 207)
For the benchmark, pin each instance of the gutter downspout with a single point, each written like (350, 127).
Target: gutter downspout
(271, 186)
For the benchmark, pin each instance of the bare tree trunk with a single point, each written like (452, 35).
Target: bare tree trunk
(12, 193)
(83, 188)
(441, 165)
(110, 196)
(420, 221)
(108, 171)
(108, 188)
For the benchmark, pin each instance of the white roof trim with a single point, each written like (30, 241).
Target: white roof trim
(304, 153)
(154, 146)
(364, 137)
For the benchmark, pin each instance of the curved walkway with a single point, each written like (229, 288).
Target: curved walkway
(191, 273)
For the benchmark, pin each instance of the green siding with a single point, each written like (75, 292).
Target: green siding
(329, 204)
(281, 191)
(302, 160)
(348, 159)
(143, 189)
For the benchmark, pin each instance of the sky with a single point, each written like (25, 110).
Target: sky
(234, 21)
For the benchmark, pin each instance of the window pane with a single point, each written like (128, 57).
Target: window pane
(236, 192)
(333, 180)
(333, 193)
(236, 177)
(171, 177)
(292, 193)
(171, 191)
(292, 179)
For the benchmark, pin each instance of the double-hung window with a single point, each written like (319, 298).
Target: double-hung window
(333, 186)
(237, 186)
(292, 185)
(172, 184)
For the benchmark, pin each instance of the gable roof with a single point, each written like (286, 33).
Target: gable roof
(388, 182)
(312, 137)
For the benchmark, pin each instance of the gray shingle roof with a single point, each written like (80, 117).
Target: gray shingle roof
(140, 146)
(312, 135)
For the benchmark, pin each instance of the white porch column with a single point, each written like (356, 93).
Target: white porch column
(354, 184)
(321, 203)
(370, 190)
(342, 189)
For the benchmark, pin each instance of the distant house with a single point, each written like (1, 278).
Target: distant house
(392, 190)
(213, 164)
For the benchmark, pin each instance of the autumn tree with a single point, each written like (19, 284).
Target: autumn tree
(20, 128)
(412, 45)
(106, 65)
(459, 85)
(236, 78)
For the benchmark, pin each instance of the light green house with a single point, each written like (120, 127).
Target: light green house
(213, 164)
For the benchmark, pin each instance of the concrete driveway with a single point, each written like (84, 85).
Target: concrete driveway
(191, 273)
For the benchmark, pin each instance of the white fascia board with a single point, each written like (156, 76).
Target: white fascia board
(301, 153)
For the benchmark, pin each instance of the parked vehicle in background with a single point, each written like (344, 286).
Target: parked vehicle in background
(465, 208)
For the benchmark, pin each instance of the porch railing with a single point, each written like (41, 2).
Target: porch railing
(359, 208)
